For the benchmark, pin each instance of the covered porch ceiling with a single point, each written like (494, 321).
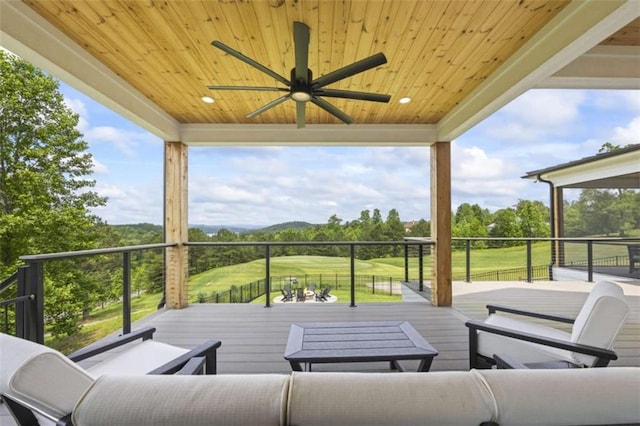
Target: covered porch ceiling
(459, 61)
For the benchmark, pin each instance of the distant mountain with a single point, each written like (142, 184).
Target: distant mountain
(213, 229)
(286, 225)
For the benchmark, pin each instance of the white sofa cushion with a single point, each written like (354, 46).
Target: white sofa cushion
(137, 358)
(184, 400)
(600, 319)
(438, 398)
(490, 344)
(584, 396)
(40, 376)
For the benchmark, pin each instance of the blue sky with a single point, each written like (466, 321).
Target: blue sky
(264, 186)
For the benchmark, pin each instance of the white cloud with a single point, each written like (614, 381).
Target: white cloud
(474, 163)
(130, 204)
(98, 167)
(627, 135)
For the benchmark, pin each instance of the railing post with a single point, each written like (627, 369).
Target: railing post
(267, 273)
(126, 292)
(22, 307)
(420, 268)
(590, 261)
(373, 283)
(34, 315)
(406, 263)
(352, 250)
(529, 267)
(468, 260)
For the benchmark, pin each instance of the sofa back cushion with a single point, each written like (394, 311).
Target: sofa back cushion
(438, 398)
(574, 396)
(40, 376)
(600, 319)
(257, 399)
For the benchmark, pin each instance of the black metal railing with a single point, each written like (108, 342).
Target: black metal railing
(372, 284)
(350, 245)
(24, 311)
(22, 296)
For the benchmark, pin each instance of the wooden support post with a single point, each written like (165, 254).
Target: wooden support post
(441, 290)
(175, 224)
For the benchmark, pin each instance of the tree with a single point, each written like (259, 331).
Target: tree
(505, 224)
(534, 218)
(45, 193)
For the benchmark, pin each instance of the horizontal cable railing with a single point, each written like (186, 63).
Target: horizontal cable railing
(122, 273)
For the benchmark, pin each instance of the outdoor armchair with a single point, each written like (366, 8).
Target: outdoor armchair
(41, 385)
(589, 344)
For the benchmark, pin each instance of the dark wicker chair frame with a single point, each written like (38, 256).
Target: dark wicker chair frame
(476, 360)
(200, 360)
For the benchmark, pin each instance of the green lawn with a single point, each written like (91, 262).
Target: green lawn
(103, 322)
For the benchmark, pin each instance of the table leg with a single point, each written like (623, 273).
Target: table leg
(295, 366)
(425, 365)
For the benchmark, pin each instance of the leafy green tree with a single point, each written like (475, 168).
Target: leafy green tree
(421, 229)
(45, 190)
(534, 218)
(505, 225)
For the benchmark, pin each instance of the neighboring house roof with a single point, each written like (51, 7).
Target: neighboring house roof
(614, 169)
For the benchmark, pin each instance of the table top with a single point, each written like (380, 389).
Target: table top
(356, 342)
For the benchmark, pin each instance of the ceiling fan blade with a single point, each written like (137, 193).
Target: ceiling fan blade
(251, 62)
(348, 94)
(268, 106)
(258, 88)
(332, 110)
(300, 114)
(349, 70)
(301, 43)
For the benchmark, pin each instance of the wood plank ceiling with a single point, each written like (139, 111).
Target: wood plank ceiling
(437, 51)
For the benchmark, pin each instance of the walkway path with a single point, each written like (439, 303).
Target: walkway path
(410, 293)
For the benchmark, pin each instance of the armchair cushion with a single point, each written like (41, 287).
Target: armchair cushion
(600, 319)
(137, 358)
(523, 351)
(40, 377)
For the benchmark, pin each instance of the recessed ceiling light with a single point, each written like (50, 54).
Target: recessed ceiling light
(207, 99)
(404, 100)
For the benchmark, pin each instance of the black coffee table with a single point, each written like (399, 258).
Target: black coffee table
(333, 342)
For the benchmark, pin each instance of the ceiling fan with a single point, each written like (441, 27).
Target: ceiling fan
(301, 87)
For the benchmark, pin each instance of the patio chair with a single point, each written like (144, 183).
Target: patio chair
(300, 296)
(287, 296)
(323, 295)
(634, 257)
(41, 386)
(589, 344)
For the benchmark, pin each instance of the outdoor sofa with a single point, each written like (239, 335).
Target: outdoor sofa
(578, 396)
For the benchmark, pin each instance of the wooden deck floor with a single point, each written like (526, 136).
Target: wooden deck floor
(254, 337)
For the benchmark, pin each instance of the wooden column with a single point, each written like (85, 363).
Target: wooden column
(175, 224)
(441, 290)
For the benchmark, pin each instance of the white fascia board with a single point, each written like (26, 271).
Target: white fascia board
(314, 134)
(603, 67)
(580, 26)
(28, 35)
(602, 169)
